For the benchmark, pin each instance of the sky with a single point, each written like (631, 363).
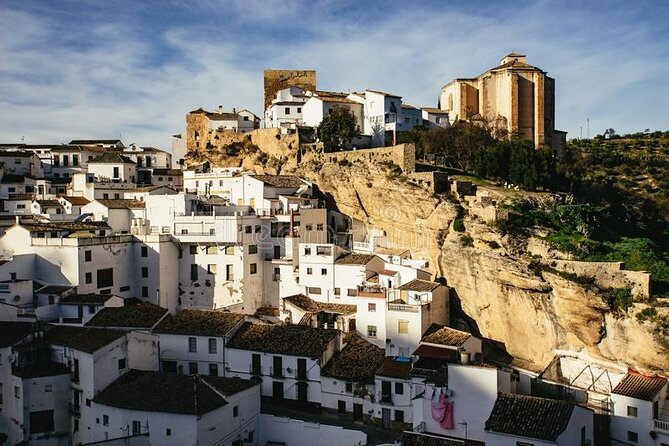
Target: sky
(89, 69)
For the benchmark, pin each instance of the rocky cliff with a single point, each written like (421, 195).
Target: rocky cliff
(501, 297)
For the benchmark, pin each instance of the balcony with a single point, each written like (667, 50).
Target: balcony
(372, 291)
(405, 308)
(386, 399)
(661, 426)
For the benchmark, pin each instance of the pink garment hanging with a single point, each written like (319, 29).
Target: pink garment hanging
(439, 408)
(447, 421)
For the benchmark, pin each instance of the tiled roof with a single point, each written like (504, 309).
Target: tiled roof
(13, 332)
(77, 148)
(84, 339)
(12, 178)
(435, 111)
(65, 226)
(199, 323)
(16, 154)
(387, 272)
(122, 204)
(48, 203)
(140, 315)
(54, 289)
(111, 158)
(86, 142)
(640, 387)
(357, 361)
(527, 416)
(21, 197)
(431, 351)
(384, 93)
(77, 201)
(170, 392)
(392, 368)
(439, 334)
(419, 285)
(86, 299)
(283, 181)
(295, 340)
(423, 439)
(41, 369)
(174, 172)
(354, 259)
(307, 304)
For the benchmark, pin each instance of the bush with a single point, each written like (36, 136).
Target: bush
(619, 300)
(493, 244)
(459, 225)
(466, 241)
(645, 314)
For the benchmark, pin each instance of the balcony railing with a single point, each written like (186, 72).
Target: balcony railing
(404, 308)
(661, 426)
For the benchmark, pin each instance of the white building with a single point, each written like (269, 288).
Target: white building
(178, 409)
(640, 411)
(112, 166)
(288, 359)
(382, 116)
(322, 103)
(285, 111)
(193, 341)
(435, 117)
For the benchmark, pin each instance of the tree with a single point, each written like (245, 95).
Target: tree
(337, 129)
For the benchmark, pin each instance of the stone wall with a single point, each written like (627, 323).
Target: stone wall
(404, 155)
(437, 182)
(608, 275)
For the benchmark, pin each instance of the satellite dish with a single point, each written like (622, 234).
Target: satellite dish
(11, 359)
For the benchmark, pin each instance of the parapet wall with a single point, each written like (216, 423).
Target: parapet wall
(609, 275)
(404, 155)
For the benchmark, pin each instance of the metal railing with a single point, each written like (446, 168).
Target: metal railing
(404, 308)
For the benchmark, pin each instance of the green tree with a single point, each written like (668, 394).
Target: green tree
(337, 129)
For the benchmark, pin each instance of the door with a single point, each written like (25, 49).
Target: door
(357, 412)
(302, 369)
(385, 418)
(386, 392)
(341, 406)
(302, 391)
(255, 364)
(277, 390)
(277, 251)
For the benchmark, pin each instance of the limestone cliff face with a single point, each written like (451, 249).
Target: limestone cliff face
(533, 315)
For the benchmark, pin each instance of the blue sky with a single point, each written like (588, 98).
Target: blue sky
(104, 69)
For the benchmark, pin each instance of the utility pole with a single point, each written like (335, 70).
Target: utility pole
(588, 128)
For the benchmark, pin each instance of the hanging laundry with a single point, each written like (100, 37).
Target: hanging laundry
(447, 421)
(439, 409)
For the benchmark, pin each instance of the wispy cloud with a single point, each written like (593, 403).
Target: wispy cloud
(135, 68)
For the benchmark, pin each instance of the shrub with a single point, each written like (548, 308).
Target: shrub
(645, 314)
(466, 240)
(493, 244)
(459, 225)
(619, 300)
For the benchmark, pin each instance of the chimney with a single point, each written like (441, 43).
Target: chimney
(220, 109)
(234, 110)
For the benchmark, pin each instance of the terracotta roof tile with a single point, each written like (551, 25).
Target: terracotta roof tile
(392, 368)
(199, 323)
(122, 204)
(141, 315)
(13, 332)
(526, 416)
(357, 361)
(295, 340)
(84, 339)
(307, 304)
(354, 259)
(425, 439)
(419, 285)
(282, 181)
(640, 386)
(439, 334)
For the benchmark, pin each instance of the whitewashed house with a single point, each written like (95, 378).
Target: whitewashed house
(323, 103)
(435, 117)
(112, 166)
(178, 409)
(382, 116)
(640, 410)
(118, 213)
(193, 341)
(285, 111)
(288, 359)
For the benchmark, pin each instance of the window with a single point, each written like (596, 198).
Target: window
(253, 249)
(287, 110)
(319, 227)
(145, 291)
(145, 272)
(145, 251)
(116, 172)
(193, 249)
(307, 251)
(337, 291)
(324, 272)
(253, 268)
(91, 309)
(213, 249)
(229, 250)
(399, 416)
(193, 271)
(168, 432)
(88, 402)
(124, 288)
(371, 307)
(212, 345)
(371, 331)
(341, 406)
(309, 271)
(121, 364)
(229, 272)
(211, 268)
(192, 345)
(399, 388)
(105, 420)
(192, 368)
(632, 411)
(632, 436)
(136, 427)
(88, 255)
(89, 278)
(403, 327)
(235, 411)
(105, 277)
(313, 290)
(213, 369)
(349, 387)
(308, 227)
(256, 228)
(248, 229)
(75, 160)
(48, 388)
(41, 422)
(299, 109)
(352, 292)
